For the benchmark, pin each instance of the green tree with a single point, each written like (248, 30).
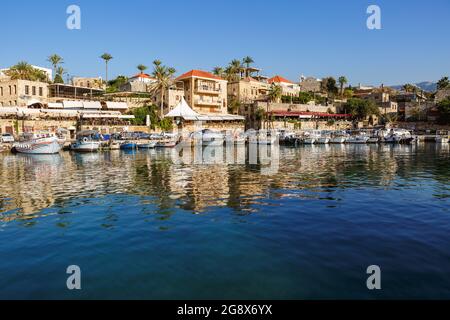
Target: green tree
(59, 76)
(275, 93)
(329, 86)
(348, 93)
(141, 68)
(218, 71)
(342, 82)
(247, 61)
(233, 106)
(360, 108)
(443, 83)
(55, 60)
(408, 87)
(106, 57)
(164, 78)
(115, 84)
(444, 111)
(25, 71)
(305, 97)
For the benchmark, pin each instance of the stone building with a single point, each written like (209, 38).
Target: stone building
(310, 84)
(138, 83)
(288, 87)
(204, 92)
(22, 92)
(247, 90)
(95, 83)
(172, 97)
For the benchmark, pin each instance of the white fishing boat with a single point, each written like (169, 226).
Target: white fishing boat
(146, 145)
(441, 139)
(87, 141)
(39, 143)
(166, 140)
(338, 137)
(312, 137)
(324, 138)
(114, 145)
(398, 136)
(360, 138)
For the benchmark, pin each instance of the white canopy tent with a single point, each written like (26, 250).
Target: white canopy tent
(182, 110)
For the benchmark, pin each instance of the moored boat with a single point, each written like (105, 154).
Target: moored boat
(87, 141)
(39, 143)
(166, 140)
(128, 145)
(147, 145)
(360, 138)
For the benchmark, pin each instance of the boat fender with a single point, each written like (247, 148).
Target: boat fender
(85, 139)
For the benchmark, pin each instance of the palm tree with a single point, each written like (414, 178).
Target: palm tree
(107, 57)
(60, 72)
(275, 93)
(247, 61)
(55, 60)
(164, 78)
(142, 68)
(25, 71)
(236, 68)
(342, 82)
(408, 87)
(218, 71)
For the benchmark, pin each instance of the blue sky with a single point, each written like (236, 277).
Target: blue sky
(289, 38)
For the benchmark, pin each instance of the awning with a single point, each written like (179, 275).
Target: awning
(92, 105)
(55, 105)
(116, 105)
(73, 104)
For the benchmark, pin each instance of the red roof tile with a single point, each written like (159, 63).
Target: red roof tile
(142, 75)
(278, 79)
(199, 74)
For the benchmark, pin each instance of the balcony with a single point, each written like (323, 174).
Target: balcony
(210, 89)
(215, 103)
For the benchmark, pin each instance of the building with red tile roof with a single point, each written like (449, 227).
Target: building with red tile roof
(204, 92)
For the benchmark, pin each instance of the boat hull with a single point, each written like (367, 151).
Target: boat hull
(338, 140)
(89, 146)
(323, 140)
(128, 146)
(309, 141)
(38, 147)
(149, 145)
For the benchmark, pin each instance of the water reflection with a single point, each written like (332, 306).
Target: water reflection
(33, 183)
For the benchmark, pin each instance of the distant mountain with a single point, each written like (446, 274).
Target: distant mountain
(426, 86)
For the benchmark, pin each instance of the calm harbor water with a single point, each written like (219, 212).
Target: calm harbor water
(141, 225)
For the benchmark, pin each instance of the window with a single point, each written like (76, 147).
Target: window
(27, 89)
(33, 89)
(1, 91)
(41, 91)
(15, 89)
(10, 90)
